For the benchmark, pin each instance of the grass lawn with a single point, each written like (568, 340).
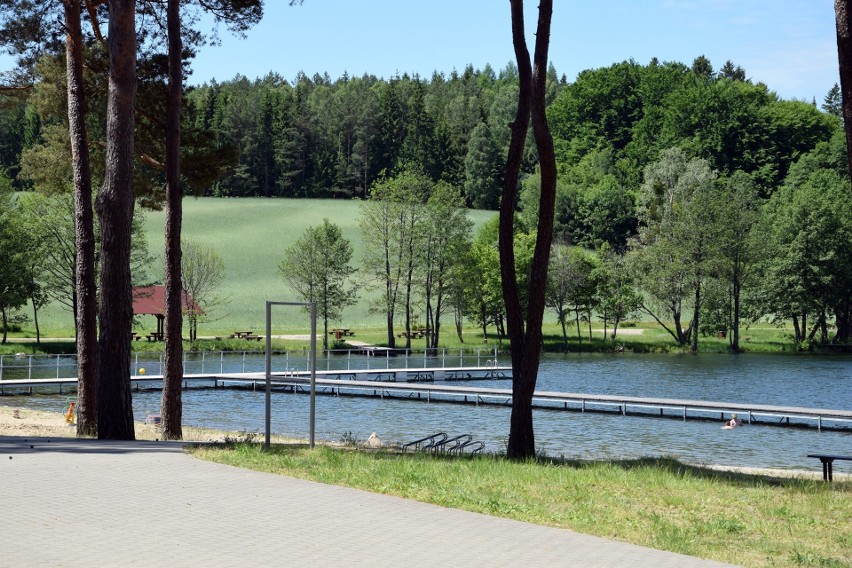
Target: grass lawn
(748, 520)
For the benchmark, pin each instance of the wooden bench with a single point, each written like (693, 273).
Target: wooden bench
(827, 461)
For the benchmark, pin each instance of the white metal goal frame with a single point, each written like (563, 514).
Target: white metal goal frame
(268, 373)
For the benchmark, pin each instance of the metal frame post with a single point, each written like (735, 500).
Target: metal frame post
(313, 367)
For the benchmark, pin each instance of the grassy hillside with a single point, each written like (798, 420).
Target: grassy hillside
(251, 235)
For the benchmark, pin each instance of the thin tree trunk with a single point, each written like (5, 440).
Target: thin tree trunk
(842, 320)
(389, 299)
(681, 336)
(35, 321)
(436, 319)
(171, 406)
(589, 321)
(325, 317)
(115, 211)
(408, 310)
(735, 345)
(673, 333)
(85, 296)
(561, 314)
(577, 322)
(458, 321)
(696, 312)
(526, 343)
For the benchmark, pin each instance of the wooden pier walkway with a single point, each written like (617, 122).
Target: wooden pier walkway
(408, 385)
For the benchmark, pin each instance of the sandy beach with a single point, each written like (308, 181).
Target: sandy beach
(22, 421)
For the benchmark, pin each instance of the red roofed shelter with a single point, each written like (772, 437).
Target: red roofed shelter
(151, 301)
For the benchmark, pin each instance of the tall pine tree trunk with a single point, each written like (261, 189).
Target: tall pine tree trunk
(843, 13)
(115, 211)
(526, 343)
(171, 407)
(85, 297)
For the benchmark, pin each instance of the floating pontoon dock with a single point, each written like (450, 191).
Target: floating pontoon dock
(408, 385)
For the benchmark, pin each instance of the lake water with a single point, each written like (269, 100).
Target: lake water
(808, 381)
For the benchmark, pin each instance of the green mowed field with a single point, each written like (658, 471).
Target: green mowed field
(251, 236)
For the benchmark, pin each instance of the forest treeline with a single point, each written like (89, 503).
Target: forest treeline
(318, 137)
(309, 137)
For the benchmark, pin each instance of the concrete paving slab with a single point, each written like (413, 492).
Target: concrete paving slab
(69, 502)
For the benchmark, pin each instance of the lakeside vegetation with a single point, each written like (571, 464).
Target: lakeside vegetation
(743, 519)
(642, 337)
(267, 227)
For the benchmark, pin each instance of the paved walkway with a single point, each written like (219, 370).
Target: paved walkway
(68, 502)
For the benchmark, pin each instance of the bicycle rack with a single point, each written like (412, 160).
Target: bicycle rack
(476, 446)
(425, 443)
(452, 444)
(440, 443)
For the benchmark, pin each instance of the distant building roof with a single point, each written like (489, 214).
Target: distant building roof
(151, 300)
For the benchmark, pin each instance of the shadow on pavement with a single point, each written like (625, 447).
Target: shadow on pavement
(10, 445)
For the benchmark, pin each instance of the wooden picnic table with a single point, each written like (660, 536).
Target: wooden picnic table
(246, 334)
(155, 336)
(341, 332)
(413, 334)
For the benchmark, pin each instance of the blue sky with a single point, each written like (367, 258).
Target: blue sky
(788, 44)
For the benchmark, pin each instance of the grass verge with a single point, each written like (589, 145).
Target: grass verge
(748, 520)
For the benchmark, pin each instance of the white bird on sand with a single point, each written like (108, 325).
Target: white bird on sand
(373, 441)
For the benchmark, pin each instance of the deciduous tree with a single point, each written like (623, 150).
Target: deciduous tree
(201, 272)
(447, 232)
(570, 286)
(317, 268)
(391, 222)
(616, 296)
(16, 274)
(676, 242)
